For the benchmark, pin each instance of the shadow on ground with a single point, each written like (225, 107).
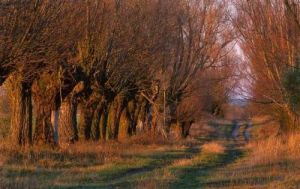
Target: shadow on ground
(141, 166)
(128, 178)
(194, 176)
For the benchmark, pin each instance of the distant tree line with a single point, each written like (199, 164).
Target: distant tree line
(121, 66)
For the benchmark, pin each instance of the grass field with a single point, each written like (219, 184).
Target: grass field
(207, 160)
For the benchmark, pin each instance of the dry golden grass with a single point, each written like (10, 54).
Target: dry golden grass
(182, 162)
(83, 163)
(270, 163)
(265, 127)
(153, 162)
(79, 154)
(275, 149)
(159, 179)
(213, 148)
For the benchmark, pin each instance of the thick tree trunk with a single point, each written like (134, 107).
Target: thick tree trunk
(95, 130)
(182, 129)
(96, 122)
(172, 117)
(133, 108)
(154, 120)
(186, 128)
(87, 109)
(49, 91)
(68, 121)
(125, 125)
(85, 124)
(44, 101)
(44, 133)
(54, 121)
(113, 118)
(103, 123)
(178, 130)
(21, 119)
(141, 118)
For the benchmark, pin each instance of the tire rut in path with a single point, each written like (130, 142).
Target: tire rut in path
(195, 176)
(160, 160)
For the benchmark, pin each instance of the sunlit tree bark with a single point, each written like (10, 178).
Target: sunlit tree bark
(68, 131)
(21, 118)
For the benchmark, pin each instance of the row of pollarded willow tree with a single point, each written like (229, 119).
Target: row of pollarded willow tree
(127, 65)
(269, 37)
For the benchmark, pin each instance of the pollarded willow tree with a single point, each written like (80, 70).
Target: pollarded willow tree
(28, 30)
(36, 40)
(200, 40)
(17, 39)
(269, 38)
(122, 66)
(120, 61)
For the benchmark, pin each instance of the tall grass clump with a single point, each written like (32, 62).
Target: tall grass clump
(275, 150)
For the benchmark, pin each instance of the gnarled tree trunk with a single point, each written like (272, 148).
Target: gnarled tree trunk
(68, 121)
(103, 122)
(133, 108)
(21, 119)
(88, 105)
(44, 103)
(85, 124)
(182, 129)
(96, 121)
(125, 125)
(141, 117)
(186, 128)
(55, 114)
(114, 114)
(44, 133)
